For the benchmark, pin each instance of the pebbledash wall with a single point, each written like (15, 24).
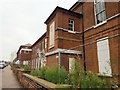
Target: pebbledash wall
(88, 32)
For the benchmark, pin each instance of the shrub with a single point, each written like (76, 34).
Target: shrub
(34, 72)
(92, 80)
(26, 68)
(42, 72)
(55, 75)
(78, 79)
(63, 75)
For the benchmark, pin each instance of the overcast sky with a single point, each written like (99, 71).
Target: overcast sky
(22, 22)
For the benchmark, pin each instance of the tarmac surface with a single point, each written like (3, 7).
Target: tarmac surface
(8, 79)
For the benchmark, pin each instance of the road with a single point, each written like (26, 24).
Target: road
(8, 79)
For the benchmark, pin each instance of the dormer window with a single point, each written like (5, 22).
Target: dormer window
(26, 52)
(99, 7)
(71, 25)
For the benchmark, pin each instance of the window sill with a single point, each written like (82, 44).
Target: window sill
(104, 75)
(50, 47)
(100, 24)
(72, 32)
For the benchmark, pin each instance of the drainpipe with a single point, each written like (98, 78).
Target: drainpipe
(59, 57)
(83, 41)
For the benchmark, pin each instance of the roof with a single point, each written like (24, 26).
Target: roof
(39, 39)
(24, 49)
(63, 10)
(27, 45)
(76, 4)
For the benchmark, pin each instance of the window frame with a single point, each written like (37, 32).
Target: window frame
(52, 35)
(73, 24)
(104, 70)
(100, 12)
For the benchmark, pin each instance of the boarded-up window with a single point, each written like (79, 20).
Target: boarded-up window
(45, 43)
(103, 56)
(52, 32)
(71, 64)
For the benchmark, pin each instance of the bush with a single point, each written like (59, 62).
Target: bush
(34, 72)
(55, 75)
(52, 74)
(26, 68)
(78, 79)
(93, 81)
(42, 72)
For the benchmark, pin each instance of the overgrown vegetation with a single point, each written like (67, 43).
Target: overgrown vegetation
(55, 75)
(35, 72)
(27, 68)
(52, 74)
(76, 78)
(42, 72)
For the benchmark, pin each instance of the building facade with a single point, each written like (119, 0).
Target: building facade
(63, 34)
(38, 58)
(88, 32)
(24, 54)
(101, 36)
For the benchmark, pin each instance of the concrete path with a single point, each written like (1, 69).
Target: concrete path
(9, 80)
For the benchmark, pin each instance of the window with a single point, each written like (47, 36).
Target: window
(103, 56)
(40, 47)
(71, 25)
(25, 62)
(45, 43)
(51, 35)
(71, 64)
(100, 15)
(26, 52)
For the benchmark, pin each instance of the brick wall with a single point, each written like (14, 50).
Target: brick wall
(108, 29)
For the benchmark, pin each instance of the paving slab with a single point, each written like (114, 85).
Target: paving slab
(9, 80)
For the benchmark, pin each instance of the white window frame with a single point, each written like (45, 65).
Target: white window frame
(52, 34)
(25, 62)
(100, 11)
(103, 53)
(72, 24)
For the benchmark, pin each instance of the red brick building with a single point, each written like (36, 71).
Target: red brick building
(24, 54)
(101, 36)
(38, 58)
(88, 32)
(62, 37)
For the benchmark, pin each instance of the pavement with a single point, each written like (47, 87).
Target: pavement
(8, 78)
